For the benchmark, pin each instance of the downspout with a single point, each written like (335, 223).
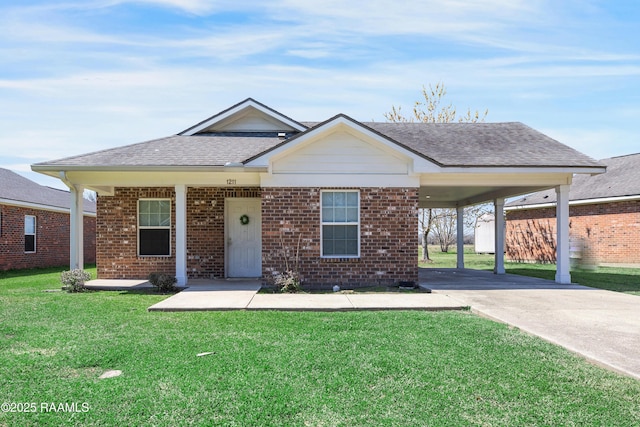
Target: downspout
(76, 229)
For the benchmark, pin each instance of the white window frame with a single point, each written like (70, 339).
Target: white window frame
(153, 227)
(34, 234)
(323, 223)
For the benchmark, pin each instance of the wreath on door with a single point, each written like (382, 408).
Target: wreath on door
(244, 220)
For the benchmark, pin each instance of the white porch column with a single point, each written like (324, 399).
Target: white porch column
(76, 228)
(499, 236)
(460, 237)
(563, 274)
(181, 234)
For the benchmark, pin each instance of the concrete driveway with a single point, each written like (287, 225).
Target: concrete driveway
(602, 326)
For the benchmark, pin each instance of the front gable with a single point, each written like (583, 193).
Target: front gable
(338, 148)
(341, 151)
(247, 116)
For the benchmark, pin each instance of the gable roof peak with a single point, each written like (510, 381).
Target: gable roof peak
(237, 110)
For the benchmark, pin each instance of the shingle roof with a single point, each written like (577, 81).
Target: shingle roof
(20, 189)
(483, 144)
(446, 144)
(198, 150)
(621, 179)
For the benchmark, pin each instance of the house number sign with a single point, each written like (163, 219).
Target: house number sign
(231, 182)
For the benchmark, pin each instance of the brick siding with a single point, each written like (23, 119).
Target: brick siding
(388, 234)
(388, 229)
(117, 235)
(52, 239)
(118, 232)
(602, 233)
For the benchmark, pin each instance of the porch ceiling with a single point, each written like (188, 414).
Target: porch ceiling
(458, 195)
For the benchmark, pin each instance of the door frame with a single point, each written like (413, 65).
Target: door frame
(227, 232)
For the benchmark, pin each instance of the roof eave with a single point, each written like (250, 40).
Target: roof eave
(44, 168)
(591, 170)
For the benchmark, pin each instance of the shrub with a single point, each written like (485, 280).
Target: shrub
(74, 280)
(287, 281)
(163, 282)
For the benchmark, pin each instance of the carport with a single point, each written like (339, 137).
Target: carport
(469, 186)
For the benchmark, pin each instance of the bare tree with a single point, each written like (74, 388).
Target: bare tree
(432, 109)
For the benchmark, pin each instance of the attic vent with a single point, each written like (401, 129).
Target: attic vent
(282, 135)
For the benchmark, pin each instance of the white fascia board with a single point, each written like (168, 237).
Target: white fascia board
(491, 177)
(525, 169)
(220, 178)
(419, 164)
(237, 109)
(41, 207)
(575, 202)
(339, 180)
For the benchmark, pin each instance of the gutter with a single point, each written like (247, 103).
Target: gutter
(575, 202)
(30, 205)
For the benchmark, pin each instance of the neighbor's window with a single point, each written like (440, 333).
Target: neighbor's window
(29, 233)
(340, 223)
(154, 227)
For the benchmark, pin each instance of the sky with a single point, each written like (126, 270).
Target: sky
(78, 76)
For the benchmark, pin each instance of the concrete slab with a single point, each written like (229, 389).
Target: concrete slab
(211, 295)
(601, 326)
(403, 301)
(117, 285)
(301, 302)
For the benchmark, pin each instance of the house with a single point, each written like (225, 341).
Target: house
(250, 191)
(604, 218)
(34, 224)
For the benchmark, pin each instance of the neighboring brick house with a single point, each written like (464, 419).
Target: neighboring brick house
(604, 218)
(250, 191)
(34, 224)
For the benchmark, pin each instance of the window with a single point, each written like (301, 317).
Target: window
(154, 227)
(29, 233)
(340, 223)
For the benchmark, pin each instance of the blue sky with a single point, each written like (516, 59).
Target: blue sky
(83, 75)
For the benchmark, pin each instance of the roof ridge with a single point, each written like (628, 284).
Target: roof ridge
(235, 106)
(622, 155)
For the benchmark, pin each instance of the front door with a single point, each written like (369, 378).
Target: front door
(244, 237)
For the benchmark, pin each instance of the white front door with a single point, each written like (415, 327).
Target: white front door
(244, 237)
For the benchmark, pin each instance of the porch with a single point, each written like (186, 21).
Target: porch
(242, 294)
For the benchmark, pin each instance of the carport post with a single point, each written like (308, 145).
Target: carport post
(181, 234)
(76, 252)
(460, 237)
(498, 267)
(563, 275)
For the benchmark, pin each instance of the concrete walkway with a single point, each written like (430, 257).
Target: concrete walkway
(242, 295)
(602, 326)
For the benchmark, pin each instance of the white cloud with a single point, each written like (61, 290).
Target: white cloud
(67, 87)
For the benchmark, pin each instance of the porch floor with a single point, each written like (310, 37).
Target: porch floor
(242, 294)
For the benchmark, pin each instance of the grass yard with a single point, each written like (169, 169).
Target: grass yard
(380, 368)
(625, 280)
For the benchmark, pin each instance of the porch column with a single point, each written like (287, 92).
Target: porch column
(76, 228)
(499, 236)
(460, 237)
(563, 274)
(181, 234)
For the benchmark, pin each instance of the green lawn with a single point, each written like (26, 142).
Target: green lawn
(625, 280)
(381, 368)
